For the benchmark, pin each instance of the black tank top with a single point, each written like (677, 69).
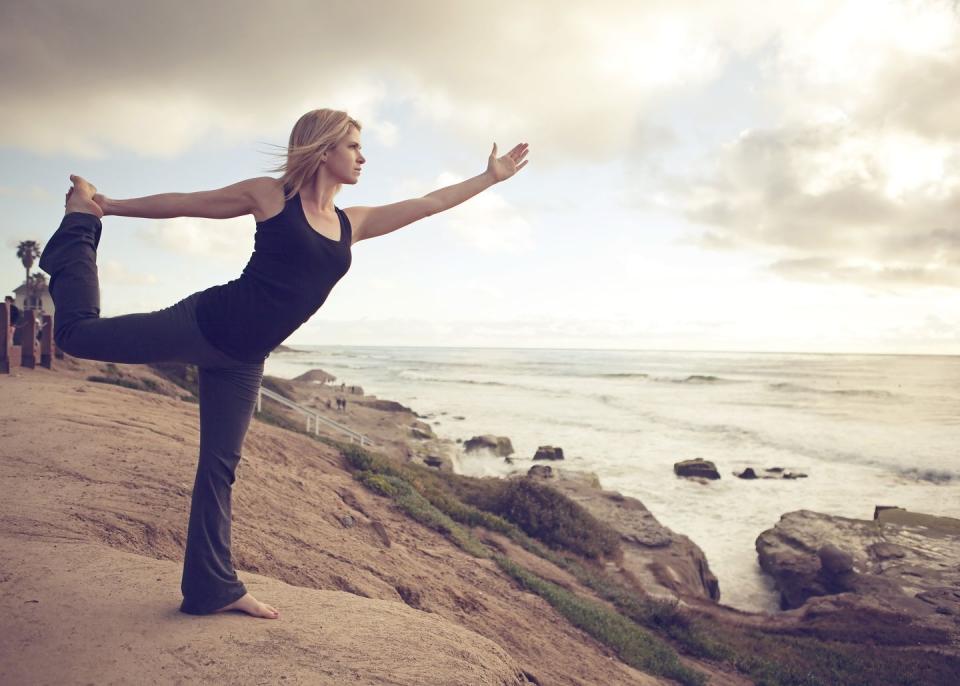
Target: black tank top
(289, 275)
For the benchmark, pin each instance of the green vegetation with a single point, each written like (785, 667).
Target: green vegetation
(634, 645)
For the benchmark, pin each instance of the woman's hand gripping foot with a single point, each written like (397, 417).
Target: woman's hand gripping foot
(251, 606)
(80, 198)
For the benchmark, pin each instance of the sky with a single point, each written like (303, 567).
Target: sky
(733, 175)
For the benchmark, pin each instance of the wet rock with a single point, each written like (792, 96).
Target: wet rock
(747, 473)
(543, 471)
(498, 445)
(903, 566)
(548, 452)
(697, 468)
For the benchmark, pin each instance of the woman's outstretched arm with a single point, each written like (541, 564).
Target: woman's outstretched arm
(232, 201)
(369, 222)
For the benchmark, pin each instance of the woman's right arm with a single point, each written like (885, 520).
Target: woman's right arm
(235, 200)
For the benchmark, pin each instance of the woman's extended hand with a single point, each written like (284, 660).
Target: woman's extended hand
(501, 168)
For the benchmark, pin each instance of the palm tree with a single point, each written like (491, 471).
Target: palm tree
(28, 251)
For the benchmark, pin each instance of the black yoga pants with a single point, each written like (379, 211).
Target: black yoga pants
(228, 395)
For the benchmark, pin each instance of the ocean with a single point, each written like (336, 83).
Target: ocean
(867, 429)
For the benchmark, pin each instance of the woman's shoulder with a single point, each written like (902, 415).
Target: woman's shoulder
(268, 197)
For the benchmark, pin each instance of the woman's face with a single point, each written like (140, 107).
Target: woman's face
(345, 159)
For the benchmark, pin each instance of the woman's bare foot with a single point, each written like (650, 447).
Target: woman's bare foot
(80, 197)
(251, 606)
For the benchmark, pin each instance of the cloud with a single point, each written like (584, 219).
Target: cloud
(488, 222)
(227, 240)
(858, 179)
(156, 78)
(114, 273)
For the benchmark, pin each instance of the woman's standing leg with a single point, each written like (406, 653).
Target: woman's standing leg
(228, 396)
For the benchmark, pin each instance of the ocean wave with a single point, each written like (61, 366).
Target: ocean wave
(850, 392)
(936, 476)
(694, 379)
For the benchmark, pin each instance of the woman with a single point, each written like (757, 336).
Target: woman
(302, 248)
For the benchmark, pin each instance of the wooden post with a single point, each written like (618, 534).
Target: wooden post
(29, 345)
(46, 342)
(6, 338)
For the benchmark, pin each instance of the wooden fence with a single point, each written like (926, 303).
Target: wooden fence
(36, 341)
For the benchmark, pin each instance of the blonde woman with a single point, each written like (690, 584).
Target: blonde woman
(302, 248)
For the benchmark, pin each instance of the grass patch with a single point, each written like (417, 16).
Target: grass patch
(634, 645)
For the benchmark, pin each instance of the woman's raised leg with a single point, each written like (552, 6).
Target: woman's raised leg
(70, 258)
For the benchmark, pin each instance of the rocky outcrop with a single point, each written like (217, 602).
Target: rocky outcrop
(698, 469)
(316, 376)
(548, 452)
(655, 560)
(498, 445)
(421, 430)
(543, 471)
(905, 562)
(384, 405)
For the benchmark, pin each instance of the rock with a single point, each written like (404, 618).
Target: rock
(347, 521)
(656, 560)
(696, 468)
(908, 568)
(421, 431)
(316, 376)
(384, 405)
(433, 461)
(793, 475)
(548, 452)
(834, 561)
(498, 445)
(459, 418)
(542, 471)
(747, 473)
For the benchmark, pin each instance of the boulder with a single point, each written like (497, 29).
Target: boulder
(542, 471)
(421, 430)
(900, 564)
(656, 561)
(498, 445)
(747, 473)
(384, 405)
(548, 452)
(697, 468)
(316, 376)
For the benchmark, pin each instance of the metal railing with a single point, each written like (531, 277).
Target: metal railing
(314, 418)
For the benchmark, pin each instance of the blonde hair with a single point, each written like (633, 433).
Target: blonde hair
(315, 133)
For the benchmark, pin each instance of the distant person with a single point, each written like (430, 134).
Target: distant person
(302, 249)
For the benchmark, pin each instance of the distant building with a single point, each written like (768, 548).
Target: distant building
(40, 301)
